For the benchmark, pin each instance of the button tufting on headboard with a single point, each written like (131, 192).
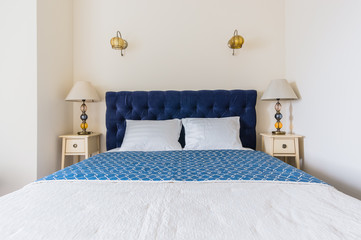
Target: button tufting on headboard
(163, 105)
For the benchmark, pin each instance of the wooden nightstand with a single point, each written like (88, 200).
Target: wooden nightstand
(79, 145)
(282, 146)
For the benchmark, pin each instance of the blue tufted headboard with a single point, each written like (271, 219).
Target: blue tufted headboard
(161, 105)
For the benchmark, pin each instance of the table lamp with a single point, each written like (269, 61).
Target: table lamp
(83, 91)
(279, 89)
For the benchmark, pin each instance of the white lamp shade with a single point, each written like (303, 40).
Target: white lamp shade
(279, 89)
(82, 90)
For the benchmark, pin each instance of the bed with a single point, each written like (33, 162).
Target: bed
(186, 194)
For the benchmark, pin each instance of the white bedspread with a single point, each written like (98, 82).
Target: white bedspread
(192, 210)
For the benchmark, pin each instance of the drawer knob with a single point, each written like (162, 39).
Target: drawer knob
(284, 145)
(75, 145)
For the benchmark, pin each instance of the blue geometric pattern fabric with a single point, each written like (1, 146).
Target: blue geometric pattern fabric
(205, 165)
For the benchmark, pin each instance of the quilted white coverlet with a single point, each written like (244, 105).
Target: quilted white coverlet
(179, 210)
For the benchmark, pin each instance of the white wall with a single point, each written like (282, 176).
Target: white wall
(323, 57)
(18, 93)
(177, 45)
(55, 79)
(35, 74)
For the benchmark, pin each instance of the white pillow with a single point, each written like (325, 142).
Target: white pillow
(212, 133)
(152, 135)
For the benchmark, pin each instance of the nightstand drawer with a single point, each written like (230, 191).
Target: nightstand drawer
(75, 145)
(284, 146)
(78, 145)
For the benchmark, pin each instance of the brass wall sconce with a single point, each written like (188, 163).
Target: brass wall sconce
(118, 43)
(236, 41)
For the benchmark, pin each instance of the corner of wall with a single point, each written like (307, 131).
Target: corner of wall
(55, 78)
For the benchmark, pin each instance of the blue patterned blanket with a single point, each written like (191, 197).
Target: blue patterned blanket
(209, 165)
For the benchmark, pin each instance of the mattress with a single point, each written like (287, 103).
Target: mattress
(218, 194)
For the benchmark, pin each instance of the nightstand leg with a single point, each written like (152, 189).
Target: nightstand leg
(297, 158)
(298, 162)
(62, 161)
(63, 155)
